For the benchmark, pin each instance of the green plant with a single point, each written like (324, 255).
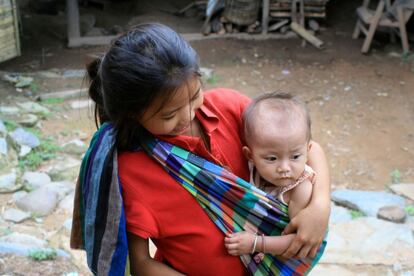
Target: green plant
(43, 254)
(356, 214)
(213, 79)
(408, 58)
(52, 101)
(45, 151)
(409, 209)
(10, 125)
(34, 87)
(395, 176)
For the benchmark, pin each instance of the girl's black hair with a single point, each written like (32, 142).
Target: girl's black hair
(146, 63)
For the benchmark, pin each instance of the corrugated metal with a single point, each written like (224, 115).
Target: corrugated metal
(9, 31)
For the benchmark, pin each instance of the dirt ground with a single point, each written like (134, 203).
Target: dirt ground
(362, 106)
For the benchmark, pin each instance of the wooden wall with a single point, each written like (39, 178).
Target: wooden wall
(9, 31)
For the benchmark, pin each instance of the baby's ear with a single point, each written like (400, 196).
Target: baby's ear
(309, 146)
(247, 153)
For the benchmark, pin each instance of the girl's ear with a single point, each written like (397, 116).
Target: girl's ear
(247, 153)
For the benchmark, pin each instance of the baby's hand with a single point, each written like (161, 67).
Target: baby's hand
(239, 243)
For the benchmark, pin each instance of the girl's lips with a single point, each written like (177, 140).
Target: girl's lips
(182, 129)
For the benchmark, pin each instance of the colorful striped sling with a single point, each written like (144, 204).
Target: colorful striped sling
(99, 223)
(232, 204)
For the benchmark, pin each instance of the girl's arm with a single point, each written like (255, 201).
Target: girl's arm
(311, 223)
(141, 262)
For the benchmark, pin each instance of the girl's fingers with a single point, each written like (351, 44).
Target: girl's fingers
(304, 251)
(232, 246)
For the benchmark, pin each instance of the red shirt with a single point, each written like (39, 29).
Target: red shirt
(158, 207)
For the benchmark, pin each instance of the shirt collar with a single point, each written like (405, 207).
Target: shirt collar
(209, 121)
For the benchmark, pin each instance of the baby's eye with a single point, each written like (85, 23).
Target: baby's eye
(296, 156)
(271, 158)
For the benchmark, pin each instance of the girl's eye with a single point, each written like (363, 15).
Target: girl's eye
(168, 118)
(271, 158)
(196, 95)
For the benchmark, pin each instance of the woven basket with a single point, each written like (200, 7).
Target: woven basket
(242, 12)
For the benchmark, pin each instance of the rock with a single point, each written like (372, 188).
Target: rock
(32, 107)
(23, 137)
(28, 120)
(15, 215)
(367, 202)
(206, 72)
(80, 104)
(74, 73)
(67, 203)
(76, 147)
(40, 202)
(368, 240)
(18, 195)
(392, 213)
(24, 150)
(9, 110)
(65, 169)
(329, 270)
(23, 239)
(35, 180)
(87, 21)
(68, 225)
(3, 146)
(404, 189)
(8, 183)
(339, 214)
(62, 188)
(8, 156)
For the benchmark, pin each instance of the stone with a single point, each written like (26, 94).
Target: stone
(368, 202)
(8, 183)
(64, 169)
(3, 146)
(392, 213)
(80, 104)
(66, 203)
(76, 147)
(15, 215)
(62, 188)
(32, 107)
(9, 110)
(23, 239)
(35, 180)
(24, 150)
(368, 240)
(8, 156)
(18, 195)
(339, 214)
(23, 137)
(28, 120)
(404, 189)
(40, 202)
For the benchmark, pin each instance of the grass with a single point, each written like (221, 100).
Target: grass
(409, 209)
(356, 214)
(10, 125)
(43, 254)
(213, 79)
(395, 176)
(52, 101)
(45, 151)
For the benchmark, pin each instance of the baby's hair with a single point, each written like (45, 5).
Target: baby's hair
(149, 62)
(278, 102)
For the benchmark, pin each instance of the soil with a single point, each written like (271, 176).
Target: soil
(362, 106)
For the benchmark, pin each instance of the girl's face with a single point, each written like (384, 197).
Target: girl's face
(175, 116)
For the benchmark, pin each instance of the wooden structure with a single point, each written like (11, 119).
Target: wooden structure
(394, 17)
(9, 30)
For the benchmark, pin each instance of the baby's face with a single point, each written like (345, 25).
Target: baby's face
(280, 156)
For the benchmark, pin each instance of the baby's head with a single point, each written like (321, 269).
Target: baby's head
(277, 133)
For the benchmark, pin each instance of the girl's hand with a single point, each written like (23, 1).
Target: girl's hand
(310, 226)
(239, 243)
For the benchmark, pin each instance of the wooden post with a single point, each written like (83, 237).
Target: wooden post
(73, 28)
(265, 16)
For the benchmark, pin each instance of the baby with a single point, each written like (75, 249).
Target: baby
(277, 129)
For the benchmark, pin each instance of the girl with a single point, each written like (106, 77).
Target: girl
(149, 81)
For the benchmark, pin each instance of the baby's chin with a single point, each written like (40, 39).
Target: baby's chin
(283, 182)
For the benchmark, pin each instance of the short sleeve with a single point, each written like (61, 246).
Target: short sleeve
(141, 221)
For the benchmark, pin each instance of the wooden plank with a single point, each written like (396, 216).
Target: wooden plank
(306, 35)
(288, 14)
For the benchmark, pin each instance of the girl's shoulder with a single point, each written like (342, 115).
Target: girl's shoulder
(225, 99)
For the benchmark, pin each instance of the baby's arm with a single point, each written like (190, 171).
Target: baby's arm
(300, 197)
(241, 243)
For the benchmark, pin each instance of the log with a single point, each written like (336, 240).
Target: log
(306, 35)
